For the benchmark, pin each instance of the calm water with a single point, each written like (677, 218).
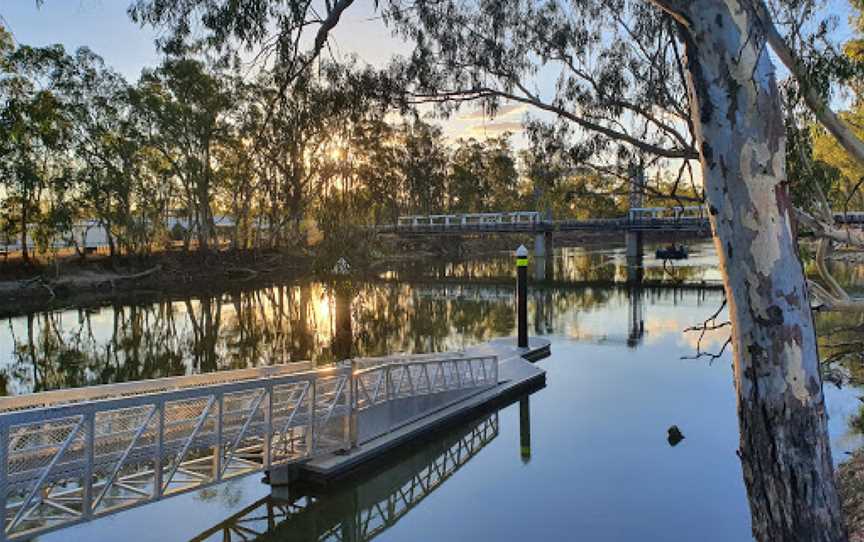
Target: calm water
(600, 466)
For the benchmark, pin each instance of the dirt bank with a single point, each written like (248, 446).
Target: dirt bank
(850, 478)
(80, 283)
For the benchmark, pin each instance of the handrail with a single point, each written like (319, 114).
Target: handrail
(420, 361)
(67, 458)
(105, 391)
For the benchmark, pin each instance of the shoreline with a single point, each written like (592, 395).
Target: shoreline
(96, 281)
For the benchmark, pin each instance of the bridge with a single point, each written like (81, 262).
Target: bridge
(691, 220)
(638, 219)
(70, 456)
(687, 219)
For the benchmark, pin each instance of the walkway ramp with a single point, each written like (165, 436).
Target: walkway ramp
(74, 455)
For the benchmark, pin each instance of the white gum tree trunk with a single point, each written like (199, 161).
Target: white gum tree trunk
(736, 110)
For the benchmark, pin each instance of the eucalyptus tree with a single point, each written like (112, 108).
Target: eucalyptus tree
(109, 149)
(677, 80)
(188, 111)
(287, 37)
(385, 159)
(424, 168)
(482, 175)
(34, 151)
(292, 150)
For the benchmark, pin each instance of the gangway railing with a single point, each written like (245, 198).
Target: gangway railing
(68, 459)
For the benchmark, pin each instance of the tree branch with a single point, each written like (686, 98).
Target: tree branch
(817, 104)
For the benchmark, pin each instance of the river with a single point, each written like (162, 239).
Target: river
(587, 457)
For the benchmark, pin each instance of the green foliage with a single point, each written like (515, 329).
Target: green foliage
(483, 176)
(35, 125)
(814, 159)
(193, 153)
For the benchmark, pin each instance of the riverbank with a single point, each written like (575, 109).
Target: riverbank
(97, 280)
(75, 282)
(850, 479)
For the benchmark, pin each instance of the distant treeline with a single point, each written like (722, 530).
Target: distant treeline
(188, 142)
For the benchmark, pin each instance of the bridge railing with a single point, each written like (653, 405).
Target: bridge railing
(468, 219)
(666, 213)
(66, 462)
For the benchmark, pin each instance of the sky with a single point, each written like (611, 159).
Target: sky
(104, 27)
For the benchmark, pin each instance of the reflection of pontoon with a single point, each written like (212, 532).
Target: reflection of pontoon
(364, 508)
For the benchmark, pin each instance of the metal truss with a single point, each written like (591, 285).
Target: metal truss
(336, 518)
(415, 377)
(114, 447)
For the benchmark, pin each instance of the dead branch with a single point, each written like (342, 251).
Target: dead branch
(710, 355)
(709, 324)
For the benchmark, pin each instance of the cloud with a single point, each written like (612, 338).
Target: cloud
(492, 129)
(502, 111)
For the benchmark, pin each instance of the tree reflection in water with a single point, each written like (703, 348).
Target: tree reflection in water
(415, 308)
(280, 324)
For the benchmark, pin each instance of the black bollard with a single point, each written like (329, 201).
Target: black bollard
(522, 296)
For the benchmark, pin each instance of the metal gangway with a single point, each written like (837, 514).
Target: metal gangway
(73, 455)
(358, 513)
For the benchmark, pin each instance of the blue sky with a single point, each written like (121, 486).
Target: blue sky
(104, 26)
(101, 25)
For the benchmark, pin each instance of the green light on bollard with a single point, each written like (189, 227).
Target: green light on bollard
(521, 256)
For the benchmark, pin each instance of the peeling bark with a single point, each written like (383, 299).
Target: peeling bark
(784, 446)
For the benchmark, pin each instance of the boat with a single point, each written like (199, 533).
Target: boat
(672, 252)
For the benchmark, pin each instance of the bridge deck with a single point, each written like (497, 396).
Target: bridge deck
(523, 223)
(591, 225)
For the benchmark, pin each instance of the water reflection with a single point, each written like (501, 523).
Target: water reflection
(525, 429)
(598, 442)
(362, 508)
(576, 265)
(321, 322)
(415, 308)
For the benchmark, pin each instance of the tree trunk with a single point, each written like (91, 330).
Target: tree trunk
(25, 254)
(784, 448)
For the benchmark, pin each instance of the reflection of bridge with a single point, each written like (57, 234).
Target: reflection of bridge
(498, 290)
(363, 509)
